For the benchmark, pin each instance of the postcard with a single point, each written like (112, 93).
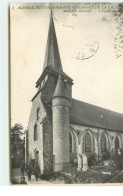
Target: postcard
(66, 97)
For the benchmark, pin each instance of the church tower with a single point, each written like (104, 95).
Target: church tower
(52, 66)
(60, 115)
(49, 119)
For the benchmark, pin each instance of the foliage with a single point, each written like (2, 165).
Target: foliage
(106, 156)
(89, 177)
(118, 158)
(16, 132)
(92, 159)
(17, 145)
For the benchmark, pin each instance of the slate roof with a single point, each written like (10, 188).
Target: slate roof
(60, 88)
(90, 115)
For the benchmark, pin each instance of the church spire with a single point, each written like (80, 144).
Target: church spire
(60, 90)
(52, 57)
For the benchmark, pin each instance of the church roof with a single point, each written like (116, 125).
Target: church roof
(52, 57)
(60, 90)
(86, 114)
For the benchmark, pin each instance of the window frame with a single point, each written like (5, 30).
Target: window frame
(103, 144)
(88, 143)
(35, 132)
(38, 111)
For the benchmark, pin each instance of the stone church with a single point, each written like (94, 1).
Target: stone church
(61, 128)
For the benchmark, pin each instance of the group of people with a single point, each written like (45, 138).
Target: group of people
(31, 168)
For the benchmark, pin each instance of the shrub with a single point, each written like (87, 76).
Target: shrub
(92, 159)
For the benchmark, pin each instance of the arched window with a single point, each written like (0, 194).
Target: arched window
(36, 156)
(117, 143)
(103, 143)
(35, 133)
(87, 143)
(38, 113)
(70, 142)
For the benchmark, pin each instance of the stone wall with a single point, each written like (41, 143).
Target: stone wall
(38, 144)
(49, 88)
(48, 146)
(60, 115)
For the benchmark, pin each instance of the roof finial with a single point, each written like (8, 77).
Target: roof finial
(51, 9)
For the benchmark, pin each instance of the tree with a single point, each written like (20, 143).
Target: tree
(16, 132)
(17, 145)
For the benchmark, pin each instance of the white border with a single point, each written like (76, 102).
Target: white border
(4, 147)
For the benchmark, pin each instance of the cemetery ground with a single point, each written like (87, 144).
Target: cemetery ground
(95, 175)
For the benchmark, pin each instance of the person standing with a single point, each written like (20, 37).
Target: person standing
(22, 167)
(29, 170)
(36, 171)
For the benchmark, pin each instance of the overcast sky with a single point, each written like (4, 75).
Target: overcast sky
(88, 54)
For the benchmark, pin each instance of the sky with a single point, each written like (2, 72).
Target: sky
(90, 46)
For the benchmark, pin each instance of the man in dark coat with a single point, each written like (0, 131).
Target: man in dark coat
(29, 170)
(22, 167)
(36, 171)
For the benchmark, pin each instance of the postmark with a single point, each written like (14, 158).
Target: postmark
(88, 50)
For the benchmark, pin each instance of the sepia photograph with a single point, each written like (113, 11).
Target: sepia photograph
(66, 93)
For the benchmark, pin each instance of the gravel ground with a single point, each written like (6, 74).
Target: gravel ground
(16, 176)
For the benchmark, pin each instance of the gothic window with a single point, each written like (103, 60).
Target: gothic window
(117, 144)
(70, 142)
(38, 113)
(35, 133)
(87, 143)
(103, 143)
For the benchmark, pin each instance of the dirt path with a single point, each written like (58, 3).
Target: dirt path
(16, 175)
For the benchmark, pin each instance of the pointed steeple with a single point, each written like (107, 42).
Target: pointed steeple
(52, 57)
(60, 90)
